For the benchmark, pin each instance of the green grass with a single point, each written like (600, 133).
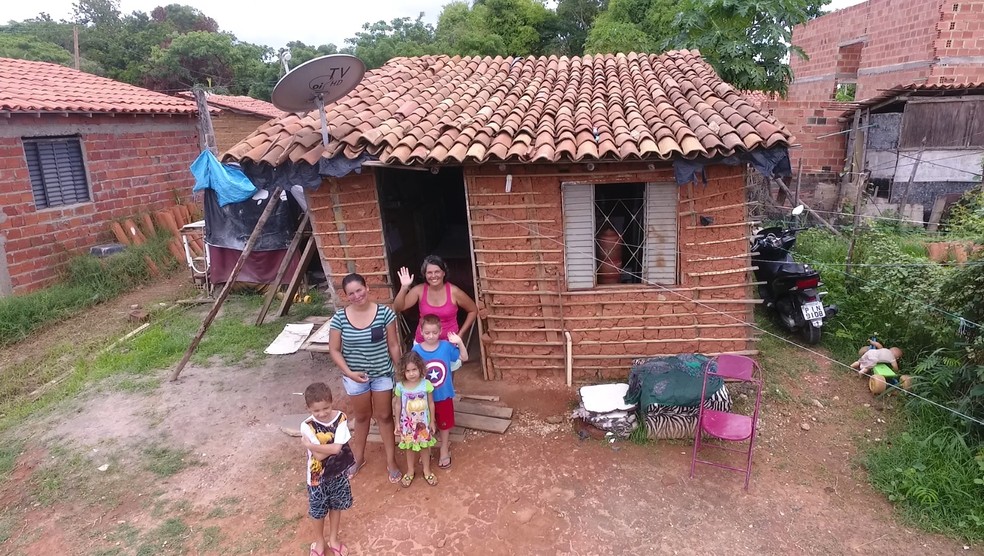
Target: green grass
(6, 527)
(165, 462)
(211, 538)
(930, 473)
(232, 339)
(168, 538)
(88, 281)
(9, 452)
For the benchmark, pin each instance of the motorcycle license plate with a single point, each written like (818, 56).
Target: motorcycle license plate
(813, 310)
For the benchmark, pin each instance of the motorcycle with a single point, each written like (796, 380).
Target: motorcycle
(789, 288)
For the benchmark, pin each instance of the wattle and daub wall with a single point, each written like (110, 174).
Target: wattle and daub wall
(525, 305)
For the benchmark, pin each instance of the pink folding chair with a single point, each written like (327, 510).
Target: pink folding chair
(731, 427)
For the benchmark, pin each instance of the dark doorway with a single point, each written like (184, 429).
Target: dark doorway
(425, 214)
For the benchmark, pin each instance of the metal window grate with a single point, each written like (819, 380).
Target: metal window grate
(622, 208)
(57, 171)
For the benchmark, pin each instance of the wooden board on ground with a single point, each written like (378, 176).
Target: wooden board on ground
(481, 422)
(475, 408)
(319, 333)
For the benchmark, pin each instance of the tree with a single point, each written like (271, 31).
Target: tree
(216, 60)
(499, 27)
(746, 41)
(183, 19)
(381, 41)
(97, 12)
(576, 18)
(462, 30)
(27, 47)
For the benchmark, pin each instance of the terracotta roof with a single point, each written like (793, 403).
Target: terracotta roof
(27, 86)
(248, 105)
(759, 98)
(444, 110)
(920, 89)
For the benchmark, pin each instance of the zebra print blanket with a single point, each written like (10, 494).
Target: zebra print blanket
(675, 421)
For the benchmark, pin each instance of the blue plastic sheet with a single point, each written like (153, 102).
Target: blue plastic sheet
(229, 183)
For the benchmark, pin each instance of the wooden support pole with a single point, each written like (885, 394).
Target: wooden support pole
(811, 211)
(284, 264)
(908, 184)
(253, 237)
(207, 141)
(857, 224)
(310, 248)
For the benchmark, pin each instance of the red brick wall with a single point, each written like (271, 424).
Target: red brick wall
(904, 42)
(523, 299)
(134, 165)
(231, 128)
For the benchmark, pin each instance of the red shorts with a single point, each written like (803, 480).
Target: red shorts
(444, 414)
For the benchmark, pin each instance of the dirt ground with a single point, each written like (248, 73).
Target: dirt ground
(238, 484)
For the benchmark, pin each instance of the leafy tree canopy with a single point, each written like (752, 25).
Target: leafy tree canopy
(747, 41)
(380, 41)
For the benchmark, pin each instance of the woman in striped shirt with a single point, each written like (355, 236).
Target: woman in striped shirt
(365, 347)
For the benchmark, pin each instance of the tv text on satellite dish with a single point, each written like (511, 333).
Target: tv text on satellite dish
(334, 78)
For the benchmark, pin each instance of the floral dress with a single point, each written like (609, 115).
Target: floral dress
(415, 417)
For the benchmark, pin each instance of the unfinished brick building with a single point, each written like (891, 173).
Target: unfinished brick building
(536, 178)
(870, 48)
(78, 151)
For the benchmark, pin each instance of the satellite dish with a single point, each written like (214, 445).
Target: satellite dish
(316, 83)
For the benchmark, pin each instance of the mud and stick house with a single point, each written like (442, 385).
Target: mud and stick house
(864, 52)
(536, 178)
(77, 152)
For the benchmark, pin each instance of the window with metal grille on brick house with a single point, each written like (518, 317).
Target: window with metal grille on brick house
(57, 171)
(623, 233)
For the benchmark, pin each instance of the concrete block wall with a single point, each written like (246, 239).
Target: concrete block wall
(135, 164)
(902, 42)
(232, 127)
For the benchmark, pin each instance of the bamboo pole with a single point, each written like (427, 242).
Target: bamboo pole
(716, 226)
(253, 237)
(718, 272)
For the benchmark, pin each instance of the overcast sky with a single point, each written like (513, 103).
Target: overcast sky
(274, 23)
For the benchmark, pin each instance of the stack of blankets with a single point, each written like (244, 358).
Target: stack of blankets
(667, 392)
(603, 406)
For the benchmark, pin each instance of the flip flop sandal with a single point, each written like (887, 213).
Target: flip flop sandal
(353, 470)
(315, 552)
(340, 550)
(431, 480)
(394, 476)
(407, 480)
(445, 463)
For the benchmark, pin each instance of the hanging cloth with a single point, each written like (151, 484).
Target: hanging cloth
(229, 183)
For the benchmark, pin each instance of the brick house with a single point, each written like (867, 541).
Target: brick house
(78, 151)
(534, 178)
(236, 117)
(873, 47)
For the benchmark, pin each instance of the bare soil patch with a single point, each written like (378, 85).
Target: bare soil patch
(236, 484)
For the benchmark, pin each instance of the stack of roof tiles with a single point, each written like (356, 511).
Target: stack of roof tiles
(33, 87)
(451, 110)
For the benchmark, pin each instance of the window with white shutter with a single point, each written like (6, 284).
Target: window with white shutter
(622, 233)
(57, 171)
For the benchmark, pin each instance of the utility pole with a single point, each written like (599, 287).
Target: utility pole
(75, 40)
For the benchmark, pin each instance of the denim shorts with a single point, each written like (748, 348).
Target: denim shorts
(377, 384)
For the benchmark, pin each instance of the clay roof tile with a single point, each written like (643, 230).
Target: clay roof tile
(439, 109)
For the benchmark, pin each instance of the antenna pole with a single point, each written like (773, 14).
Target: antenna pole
(320, 101)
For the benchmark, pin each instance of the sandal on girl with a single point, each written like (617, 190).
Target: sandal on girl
(431, 480)
(340, 550)
(315, 552)
(445, 463)
(407, 480)
(394, 476)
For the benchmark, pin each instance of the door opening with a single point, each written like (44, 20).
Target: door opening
(425, 214)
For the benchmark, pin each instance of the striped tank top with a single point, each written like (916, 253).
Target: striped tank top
(365, 349)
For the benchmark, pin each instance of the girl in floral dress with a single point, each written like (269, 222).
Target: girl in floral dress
(415, 427)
